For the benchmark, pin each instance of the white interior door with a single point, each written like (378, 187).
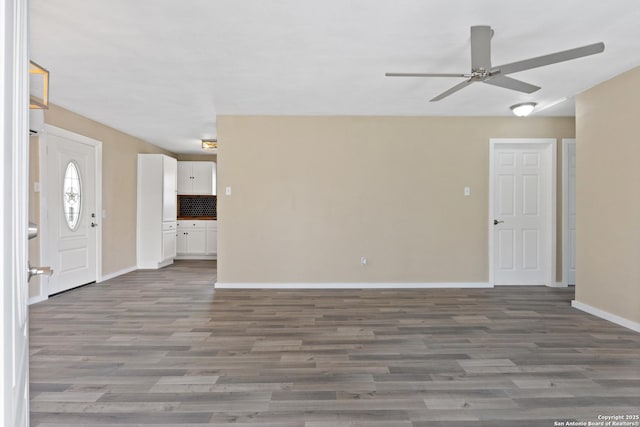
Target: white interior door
(569, 211)
(522, 206)
(14, 357)
(72, 210)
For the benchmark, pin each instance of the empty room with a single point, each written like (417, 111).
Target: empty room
(318, 214)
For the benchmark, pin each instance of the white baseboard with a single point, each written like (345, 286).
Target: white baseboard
(37, 299)
(195, 257)
(454, 285)
(154, 265)
(117, 273)
(634, 326)
(557, 285)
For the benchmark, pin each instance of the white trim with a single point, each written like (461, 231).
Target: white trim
(14, 192)
(566, 142)
(194, 257)
(117, 273)
(37, 299)
(43, 223)
(557, 285)
(551, 200)
(44, 226)
(630, 324)
(331, 285)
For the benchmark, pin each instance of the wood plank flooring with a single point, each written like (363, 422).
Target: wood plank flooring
(159, 348)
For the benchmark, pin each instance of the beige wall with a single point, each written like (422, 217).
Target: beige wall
(311, 195)
(119, 169)
(608, 199)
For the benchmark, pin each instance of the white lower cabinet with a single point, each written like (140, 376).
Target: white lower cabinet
(196, 239)
(168, 240)
(211, 247)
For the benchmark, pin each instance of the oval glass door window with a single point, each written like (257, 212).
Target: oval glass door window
(72, 195)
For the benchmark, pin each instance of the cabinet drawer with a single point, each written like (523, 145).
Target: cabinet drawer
(169, 225)
(186, 224)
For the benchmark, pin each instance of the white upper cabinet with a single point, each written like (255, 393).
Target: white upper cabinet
(197, 178)
(185, 183)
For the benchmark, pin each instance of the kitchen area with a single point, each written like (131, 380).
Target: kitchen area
(176, 210)
(197, 225)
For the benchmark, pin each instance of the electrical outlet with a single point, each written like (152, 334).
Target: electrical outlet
(363, 261)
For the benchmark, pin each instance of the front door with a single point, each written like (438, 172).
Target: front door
(72, 211)
(14, 131)
(523, 203)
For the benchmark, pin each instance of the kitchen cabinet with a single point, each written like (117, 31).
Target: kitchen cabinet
(196, 178)
(169, 241)
(211, 241)
(156, 210)
(196, 239)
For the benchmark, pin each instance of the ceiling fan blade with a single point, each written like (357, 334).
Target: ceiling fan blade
(552, 58)
(452, 90)
(481, 47)
(425, 75)
(513, 84)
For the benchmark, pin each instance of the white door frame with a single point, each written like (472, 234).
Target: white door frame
(46, 234)
(14, 192)
(566, 142)
(551, 149)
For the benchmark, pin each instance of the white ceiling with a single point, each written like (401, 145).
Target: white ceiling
(162, 70)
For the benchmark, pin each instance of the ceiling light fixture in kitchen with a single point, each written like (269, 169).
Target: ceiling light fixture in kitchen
(210, 144)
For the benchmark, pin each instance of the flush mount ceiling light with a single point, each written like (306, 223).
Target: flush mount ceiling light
(523, 109)
(38, 83)
(210, 144)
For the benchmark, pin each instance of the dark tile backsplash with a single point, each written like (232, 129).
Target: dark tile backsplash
(196, 206)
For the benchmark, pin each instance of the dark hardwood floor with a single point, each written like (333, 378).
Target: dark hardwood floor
(164, 348)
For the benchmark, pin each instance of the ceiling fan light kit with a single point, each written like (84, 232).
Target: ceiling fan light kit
(483, 71)
(523, 109)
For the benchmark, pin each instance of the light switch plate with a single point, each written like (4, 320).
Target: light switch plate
(467, 191)
(227, 191)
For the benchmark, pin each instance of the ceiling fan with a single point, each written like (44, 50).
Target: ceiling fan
(482, 71)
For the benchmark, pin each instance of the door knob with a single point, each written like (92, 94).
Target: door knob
(37, 271)
(496, 222)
